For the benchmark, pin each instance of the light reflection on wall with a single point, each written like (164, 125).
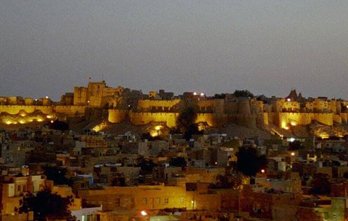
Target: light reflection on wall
(24, 118)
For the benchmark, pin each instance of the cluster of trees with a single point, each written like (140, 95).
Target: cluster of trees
(46, 204)
(57, 174)
(237, 93)
(243, 93)
(59, 125)
(186, 122)
(249, 161)
(320, 184)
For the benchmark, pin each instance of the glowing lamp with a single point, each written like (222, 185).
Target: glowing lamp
(158, 127)
(153, 133)
(291, 139)
(143, 213)
(96, 128)
(293, 123)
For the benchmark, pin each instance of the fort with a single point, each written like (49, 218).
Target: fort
(122, 104)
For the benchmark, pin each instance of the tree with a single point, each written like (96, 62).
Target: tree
(320, 184)
(249, 161)
(46, 204)
(59, 125)
(57, 174)
(191, 130)
(186, 118)
(186, 122)
(295, 145)
(178, 162)
(243, 93)
(146, 165)
(345, 175)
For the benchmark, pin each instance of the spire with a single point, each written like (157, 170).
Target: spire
(293, 95)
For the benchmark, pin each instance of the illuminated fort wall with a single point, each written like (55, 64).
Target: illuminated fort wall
(157, 105)
(96, 94)
(211, 106)
(29, 109)
(143, 118)
(285, 113)
(16, 109)
(293, 119)
(116, 116)
(212, 112)
(80, 96)
(344, 118)
(70, 110)
(13, 114)
(287, 105)
(210, 119)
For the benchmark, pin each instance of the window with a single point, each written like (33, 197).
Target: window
(117, 202)
(166, 200)
(191, 186)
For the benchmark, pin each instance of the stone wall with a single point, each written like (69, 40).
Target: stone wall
(293, 119)
(16, 109)
(116, 116)
(148, 105)
(143, 118)
(70, 110)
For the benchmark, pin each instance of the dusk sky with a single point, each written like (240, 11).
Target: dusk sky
(266, 46)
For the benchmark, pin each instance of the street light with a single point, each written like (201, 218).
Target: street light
(143, 213)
